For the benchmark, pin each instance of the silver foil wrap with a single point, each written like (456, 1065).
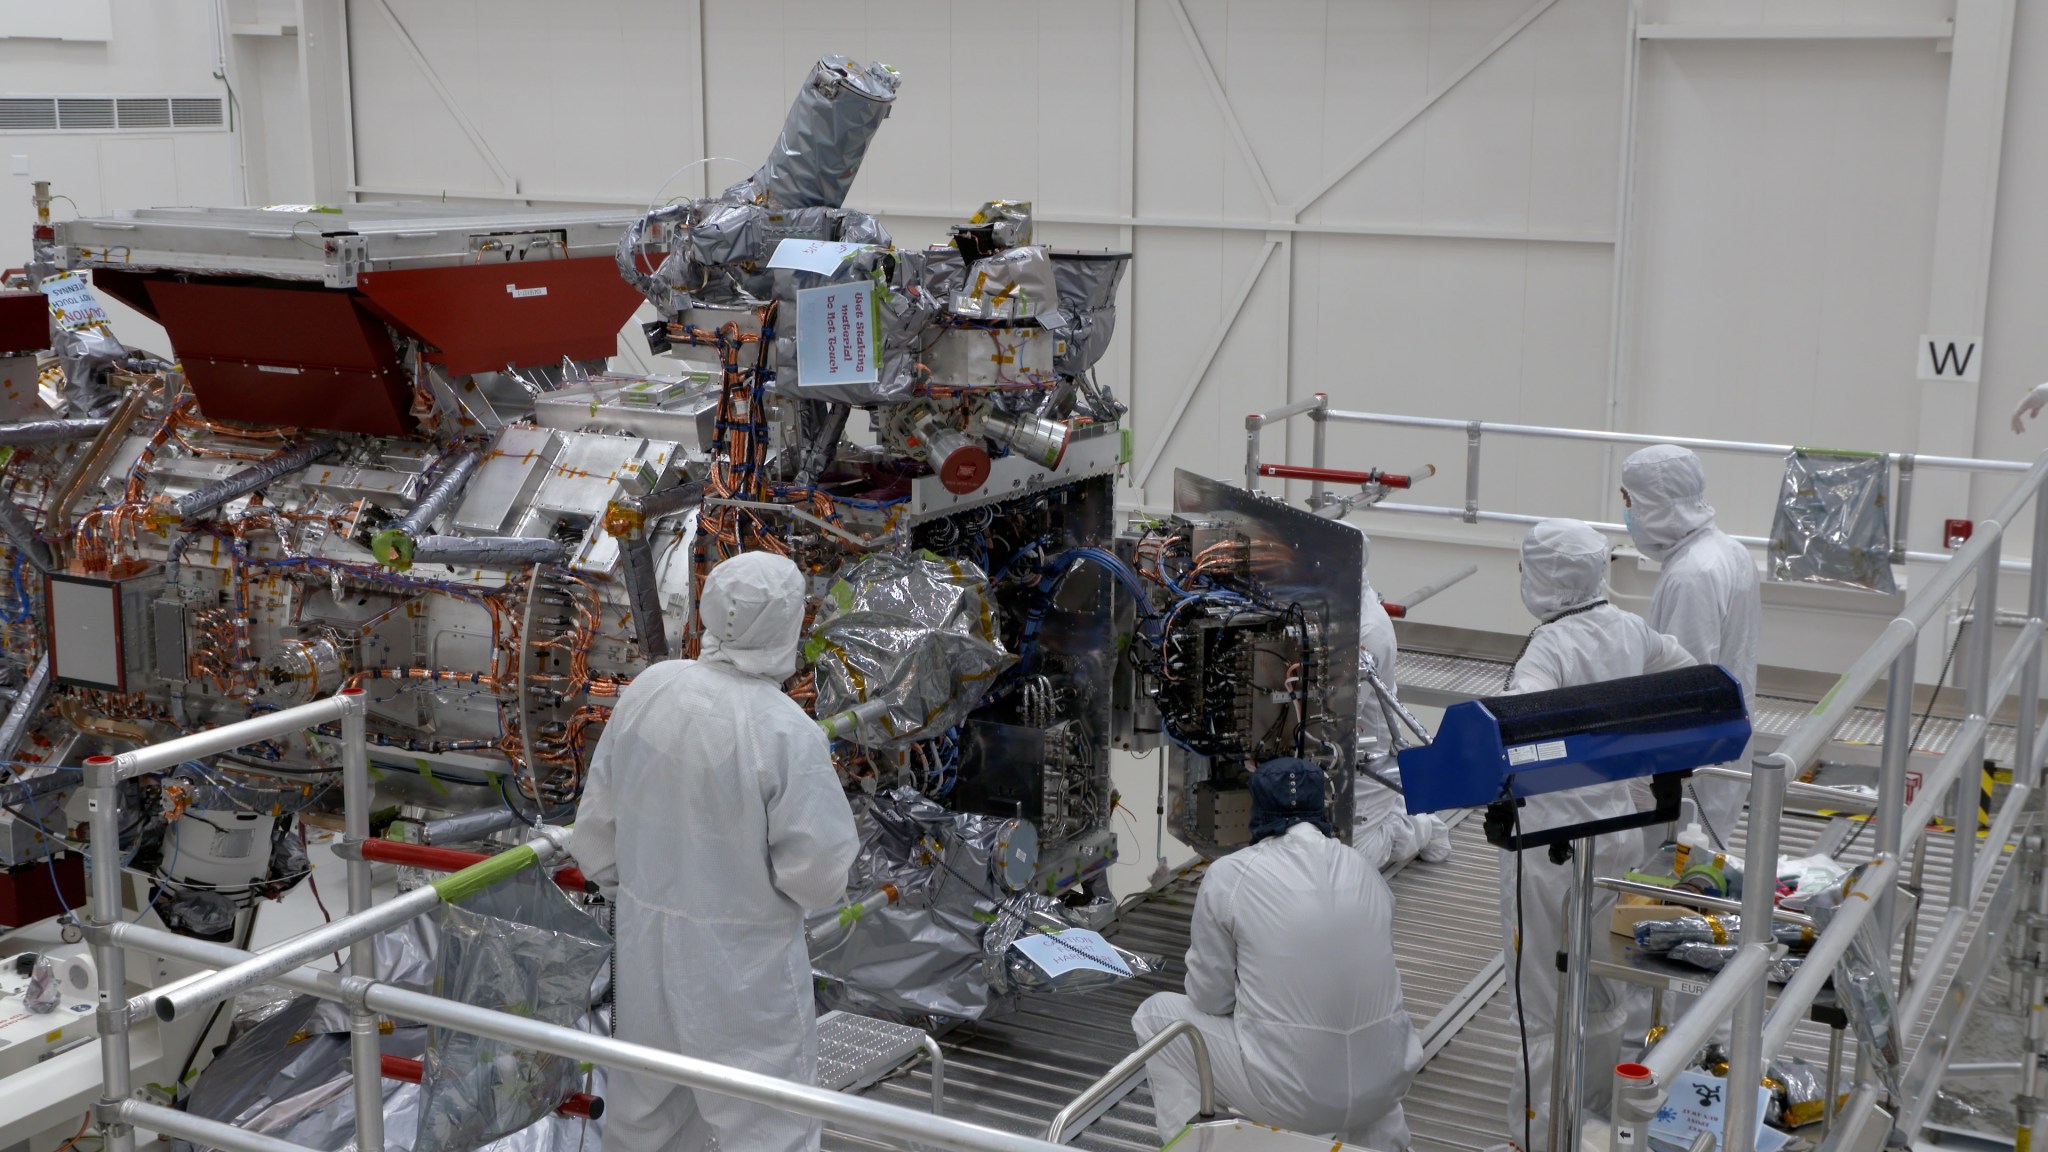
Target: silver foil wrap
(284, 1071)
(1833, 524)
(908, 641)
(1015, 971)
(1087, 292)
(1012, 285)
(518, 946)
(824, 137)
(489, 551)
(50, 431)
(206, 498)
(421, 515)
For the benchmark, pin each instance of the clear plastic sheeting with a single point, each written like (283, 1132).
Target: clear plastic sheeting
(824, 137)
(904, 647)
(522, 947)
(1833, 523)
(1863, 982)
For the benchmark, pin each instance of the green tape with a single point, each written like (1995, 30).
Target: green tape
(851, 914)
(484, 873)
(1851, 453)
(1822, 706)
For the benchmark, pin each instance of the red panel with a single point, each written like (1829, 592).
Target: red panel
(481, 317)
(27, 893)
(130, 288)
(24, 322)
(308, 357)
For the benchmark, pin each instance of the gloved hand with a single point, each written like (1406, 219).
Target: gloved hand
(2030, 405)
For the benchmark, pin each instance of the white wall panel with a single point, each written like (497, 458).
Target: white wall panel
(1785, 206)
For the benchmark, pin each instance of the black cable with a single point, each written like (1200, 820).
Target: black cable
(1521, 1009)
(1508, 681)
(1925, 716)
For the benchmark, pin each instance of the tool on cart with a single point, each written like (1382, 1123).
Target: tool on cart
(1499, 750)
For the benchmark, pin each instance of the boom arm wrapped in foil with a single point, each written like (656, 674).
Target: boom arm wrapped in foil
(905, 648)
(824, 137)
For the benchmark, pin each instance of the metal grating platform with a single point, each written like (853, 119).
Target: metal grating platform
(1015, 1074)
(855, 1051)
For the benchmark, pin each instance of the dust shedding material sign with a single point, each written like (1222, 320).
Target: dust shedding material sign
(835, 335)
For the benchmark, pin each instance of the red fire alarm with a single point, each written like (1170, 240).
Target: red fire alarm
(1956, 533)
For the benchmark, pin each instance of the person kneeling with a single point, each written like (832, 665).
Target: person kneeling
(1291, 981)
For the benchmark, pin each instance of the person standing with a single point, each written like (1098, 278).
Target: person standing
(713, 807)
(1708, 595)
(1581, 639)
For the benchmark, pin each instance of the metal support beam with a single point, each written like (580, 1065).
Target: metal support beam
(1202, 362)
(433, 78)
(1964, 217)
(1222, 100)
(1414, 111)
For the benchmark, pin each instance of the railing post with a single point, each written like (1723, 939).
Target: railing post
(1902, 508)
(1977, 702)
(365, 1053)
(1252, 424)
(1746, 1037)
(1891, 781)
(1320, 415)
(2026, 766)
(103, 817)
(1472, 472)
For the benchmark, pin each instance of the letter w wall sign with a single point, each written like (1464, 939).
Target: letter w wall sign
(1950, 358)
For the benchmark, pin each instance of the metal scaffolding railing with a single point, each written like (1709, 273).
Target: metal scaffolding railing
(1317, 409)
(1738, 994)
(111, 937)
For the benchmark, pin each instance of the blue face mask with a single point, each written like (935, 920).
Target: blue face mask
(1628, 520)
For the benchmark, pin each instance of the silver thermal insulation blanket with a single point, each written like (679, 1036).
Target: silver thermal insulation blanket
(910, 642)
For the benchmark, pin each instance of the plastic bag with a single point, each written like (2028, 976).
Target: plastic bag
(43, 993)
(1714, 957)
(1833, 524)
(1863, 982)
(521, 947)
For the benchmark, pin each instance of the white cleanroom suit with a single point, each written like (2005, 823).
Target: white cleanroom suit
(712, 804)
(1564, 569)
(1708, 596)
(1291, 980)
(1380, 824)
